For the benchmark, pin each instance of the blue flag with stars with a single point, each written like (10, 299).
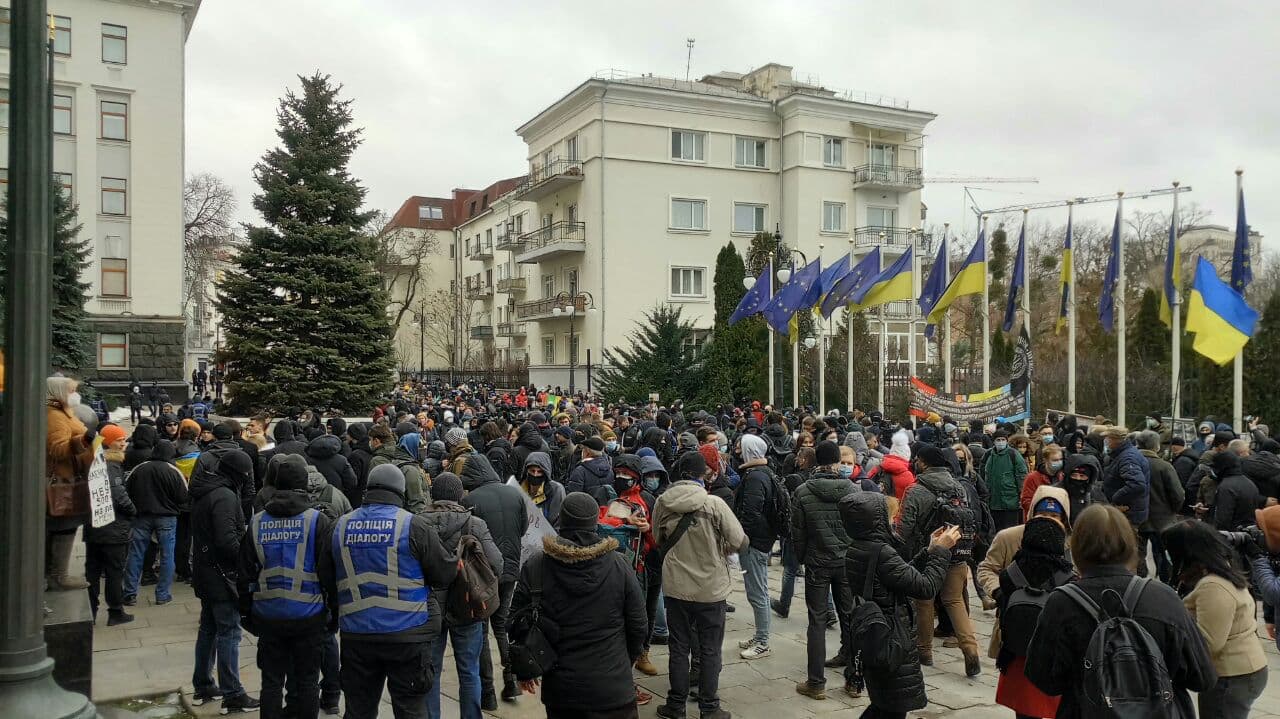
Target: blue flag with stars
(1241, 272)
(1107, 302)
(934, 286)
(799, 293)
(832, 275)
(860, 275)
(755, 299)
(1018, 282)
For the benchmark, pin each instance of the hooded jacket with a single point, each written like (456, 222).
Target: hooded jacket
(594, 598)
(433, 465)
(659, 440)
(695, 569)
(593, 476)
(865, 516)
(1166, 494)
(1236, 497)
(450, 519)
(918, 505)
(284, 504)
(1263, 468)
(548, 496)
(217, 526)
(528, 441)
(750, 503)
(498, 452)
(500, 506)
(286, 441)
(895, 472)
(156, 487)
(416, 493)
(141, 446)
(325, 454)
(1004, 472)
(324, 496)
(818, 537)
(1081, 494)
(1184, 463)
(360, 458)
(1126, 480)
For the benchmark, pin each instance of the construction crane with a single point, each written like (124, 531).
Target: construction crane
(943, 179)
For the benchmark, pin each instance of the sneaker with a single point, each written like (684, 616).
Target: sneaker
(666, 711)
(758, 650)
(747, 643)
(972, 665)
(118, 616)
(241, 703)
(811, 691)
(200, 698)
(832, 620)
(130, 601)
(489, 700)
(836, 662)
(926, 660)
(658, 640)
(148, 579)
(510, 690)
(642, 697)
(162, 602)
(717, 714)
(776, 606)
(729, 608)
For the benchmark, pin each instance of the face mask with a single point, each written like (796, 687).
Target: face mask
(535, 479)
(1001, 445)
(651, 484)
(611, 446)
(1046, 439)
(723, 447)
(845, 470)
(1055, 466)
(73, 399)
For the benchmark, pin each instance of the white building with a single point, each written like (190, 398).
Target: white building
(118, 86)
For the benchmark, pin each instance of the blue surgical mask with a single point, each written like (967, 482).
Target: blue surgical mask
(1055, 466)
(845, 470)
(651, 484)
(611, 446)
(1046, 438)
(1001, 445)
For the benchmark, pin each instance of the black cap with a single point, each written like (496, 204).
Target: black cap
(931, 456)
(828, 452)
(1223, 437)
(1178, 442)
(221, 432)
(405, 428)
(593, 443)
(579, 511)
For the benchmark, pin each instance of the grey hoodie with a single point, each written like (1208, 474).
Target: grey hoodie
(695, 568)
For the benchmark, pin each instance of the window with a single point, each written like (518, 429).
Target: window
(833, 152)
(688, 146)
(687, 282)
(64, 181)
(689, 214)
(62, 114)
(453, 248)
(113, 351)
(882, 217)
(548, 286)
(488, 239)
(114, 119)
(571, 149)
(695, 342)
(5, 25)
(430, 212)
(115, 47)
(833, 217)
(115, 277)
(882, 155)
(748, 152)
(572, 343)
(571, 279)
(519, 224)
(61, 35)
(748, 218)
(114, 196)
(571, 213)
(548, 350)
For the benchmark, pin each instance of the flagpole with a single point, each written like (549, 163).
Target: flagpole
(769, 271)
(1237, 379)
(986, 318)
(822, 348)
(848, 331)
(1071, 319)
(946, 320)
(912, 306)
(1026, 308)
(884, 341)
(1120, 312)
(1176, 311)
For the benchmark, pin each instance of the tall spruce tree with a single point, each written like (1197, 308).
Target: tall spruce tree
(656, 359)
(728, 283)
(71, 348)
(1148, 336)
(1262, 372)
(735, 362)
(304, 314)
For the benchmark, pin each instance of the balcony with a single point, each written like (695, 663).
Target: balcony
(512, 285)
(541, 309)
(553, 241)
(481, 332)
(548, 178)
(479, 292)
(512, 329)
(887, 177)
(482, 252)
(507, 240)
(891, 238)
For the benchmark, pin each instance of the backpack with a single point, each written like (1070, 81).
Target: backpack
(874, 640)
(1125, 676)
(1026, 603)
(473, 596)
(777, 508)
(952, 507)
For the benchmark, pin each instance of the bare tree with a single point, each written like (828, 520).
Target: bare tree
(444, 321)
(208, 204)
(401, 257)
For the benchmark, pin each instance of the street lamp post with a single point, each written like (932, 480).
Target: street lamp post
(568, 304)
(784, 275)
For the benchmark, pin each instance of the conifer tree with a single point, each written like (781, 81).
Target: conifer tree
(728, 283)
(735, 361)
(304, 314)
(656, 358)
(1148, 336)
(1262, 372)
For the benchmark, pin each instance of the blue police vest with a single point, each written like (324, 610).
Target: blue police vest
(288, 587)
(381, 588)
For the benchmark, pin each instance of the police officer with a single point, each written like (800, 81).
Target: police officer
(390, 571)
(282, 596)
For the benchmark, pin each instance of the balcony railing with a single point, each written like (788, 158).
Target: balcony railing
(552, 240)
(507, 239)
(548, 177)
(511, 285)
(512, 329)
(888, 176)
(891, 237)
(482, 252)
(479, 292)
(541, 309)
(482, 332)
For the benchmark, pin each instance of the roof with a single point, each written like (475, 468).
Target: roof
(456, 209)
(407, 215)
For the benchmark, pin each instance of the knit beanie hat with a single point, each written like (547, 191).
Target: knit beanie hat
(455, 437)
(221, 432)
(827, 453)
(931, 455)
(691, 466)
(1268, 521)
(405, 428)
(901, 446)
(1044, 536)
(711, 456)
(112, 433)
(579, 511)
(446, 486)
(386, 476)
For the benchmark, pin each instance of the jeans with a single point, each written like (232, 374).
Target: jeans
(466, 640)
(1163, 565)
(292, 659)
(106, 562)
(330, 672)
(652, 603)
(165, 529)
(955, 583)
(705, 621)
(499, 624)
(219, 636)
(660, 618)
(405, 668)
(819, 585)
(755, 565)
(1232, 697)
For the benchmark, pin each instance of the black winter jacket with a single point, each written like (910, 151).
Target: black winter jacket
(1263, 468)
(284, 504)
(1184, 464)
(325, 454)
(595, 599)
(157, 488)
(217, 526)
(593, 476)
(918, 504)
(1054, 656)
(498, 452)
(1082, 494)
(818, 536)
(141, 446)
(501, 506)
(1237, 497)
(360, 459)
(866, 518)
(1166, 493)
(750, 500)
(528, 441)
(244, 485)
(118, 531)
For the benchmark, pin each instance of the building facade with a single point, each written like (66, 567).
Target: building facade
(118, 104)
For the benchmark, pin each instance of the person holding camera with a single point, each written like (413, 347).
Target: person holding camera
(1264, 560)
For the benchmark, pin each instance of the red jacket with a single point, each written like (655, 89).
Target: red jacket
(899, 471)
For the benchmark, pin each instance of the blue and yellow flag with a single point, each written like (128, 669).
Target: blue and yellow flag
(867, 269)
(933, 287)
(1218, 316)
(1241, 272)
(1172, 275)
(756, 298)
(971, 279)
(801, 292)
(1019, 280)
(891, 285)
(1064, 280)
(1107, 302)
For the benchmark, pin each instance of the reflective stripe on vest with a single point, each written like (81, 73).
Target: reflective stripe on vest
(288, 586)
(381, 588)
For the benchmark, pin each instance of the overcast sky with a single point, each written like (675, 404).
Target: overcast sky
(1088, 96)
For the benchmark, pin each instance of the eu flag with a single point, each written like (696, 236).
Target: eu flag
(1241, 272)
(1019, 280)
(756, 298)
(799, 293)
(934, 286)
(863, 273)
(1172, 274)
(1107, 302)
(832, 275)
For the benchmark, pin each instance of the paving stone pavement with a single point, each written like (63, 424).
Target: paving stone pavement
(155, 654)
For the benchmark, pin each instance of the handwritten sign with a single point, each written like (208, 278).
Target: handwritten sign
(101, 509)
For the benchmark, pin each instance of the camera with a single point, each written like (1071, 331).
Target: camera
(1242, 538)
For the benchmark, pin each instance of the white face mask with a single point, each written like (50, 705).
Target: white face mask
(73, 399)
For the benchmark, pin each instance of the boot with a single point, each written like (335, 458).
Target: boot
(510, 691)
(645, 666)
(118, 616)
(60, 546)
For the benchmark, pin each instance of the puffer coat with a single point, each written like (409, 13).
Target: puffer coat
(866, 519)
(818, 536)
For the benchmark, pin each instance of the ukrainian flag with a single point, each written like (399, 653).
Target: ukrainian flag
(892, 285)
(1064, 280)
(1218, 316)
(970, 280)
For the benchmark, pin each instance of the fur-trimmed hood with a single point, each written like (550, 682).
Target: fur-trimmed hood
(566, 552)
(581, 568)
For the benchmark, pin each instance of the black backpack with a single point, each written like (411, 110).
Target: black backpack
(777, 507)
(875, 641)
(1125, 676)
(952, 507)
(1019, 617)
